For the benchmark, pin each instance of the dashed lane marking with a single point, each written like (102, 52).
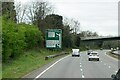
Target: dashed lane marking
(83, 76)
(104, 64)
(81, 69)
(80, 65)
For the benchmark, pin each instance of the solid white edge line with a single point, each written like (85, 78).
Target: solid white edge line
(111, 57)
(50, 67)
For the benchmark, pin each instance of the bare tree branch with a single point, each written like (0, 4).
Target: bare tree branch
(37, 11)
(20, 11)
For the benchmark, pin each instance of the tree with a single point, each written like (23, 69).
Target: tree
(16, 39)
(8, 10)
(20, 11)
(88, 34)
(76, 26)
(12, 39)
(77, 40)
(68, 38)
(37, 11)
(51, 21)
(0, 8)
(111, 44)
(54, 21)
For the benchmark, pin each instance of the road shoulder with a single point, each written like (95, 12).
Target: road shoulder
(36, 72)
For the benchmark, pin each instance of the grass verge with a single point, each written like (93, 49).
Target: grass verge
(26, 63)
(113, 55)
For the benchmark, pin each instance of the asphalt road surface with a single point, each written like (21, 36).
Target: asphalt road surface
(79, 67)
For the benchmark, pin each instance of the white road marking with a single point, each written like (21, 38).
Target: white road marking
(104, 64)
(50, 67)
(109, 67)
(80, 65)
(81, 69)
(112, 57)
(83, 76)
(100, 61)
(115, 71)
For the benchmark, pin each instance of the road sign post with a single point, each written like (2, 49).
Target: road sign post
(54, 38)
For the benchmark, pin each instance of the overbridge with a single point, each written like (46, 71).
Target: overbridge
(100, 38)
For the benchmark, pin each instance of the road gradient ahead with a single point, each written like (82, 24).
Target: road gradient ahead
(79, 67)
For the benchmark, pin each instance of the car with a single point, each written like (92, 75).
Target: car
(89, 51)
(117, 76)
(114, 49)
(117, 48)
(93, 56)
(101, 48)
(75, 52)
(111, 49)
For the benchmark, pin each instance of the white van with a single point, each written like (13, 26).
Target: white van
(75, 52)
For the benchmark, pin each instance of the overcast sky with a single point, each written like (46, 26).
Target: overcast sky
(99, 16)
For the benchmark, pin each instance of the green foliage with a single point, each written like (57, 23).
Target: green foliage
(13, 40)
(67, 41)
(51, 21)
(31, 60)
(67, 38)
(18, 37)
(70, 40)
(8, 9)
(55, 21)
(111, 44)
(33, 37)
(77, 41)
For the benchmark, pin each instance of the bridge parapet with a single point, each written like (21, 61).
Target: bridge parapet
(84, 38)
(101, 38)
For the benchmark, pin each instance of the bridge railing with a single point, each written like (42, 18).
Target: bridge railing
(99, 37)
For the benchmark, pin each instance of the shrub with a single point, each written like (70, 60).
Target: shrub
(12, 39)
(33, 36)
(18, 37)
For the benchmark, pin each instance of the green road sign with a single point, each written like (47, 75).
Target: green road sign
(53, 38)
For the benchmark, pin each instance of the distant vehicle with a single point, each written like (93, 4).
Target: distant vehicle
(114, 49)
(101, 48)
(75, 52)
(93, 56)
(117, 48)
(89, 51)
(117, 76)
(111, 49)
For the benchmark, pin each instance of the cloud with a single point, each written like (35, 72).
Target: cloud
(95, 15)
